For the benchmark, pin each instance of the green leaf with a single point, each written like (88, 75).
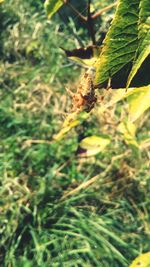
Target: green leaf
(144, 38)
(121, 41)
(139, 102)
(52, 6)
(71, 121)
(142, 261)
(94, 144)
(86, 56)
(138, 98)
(128, 129)
(120, 94)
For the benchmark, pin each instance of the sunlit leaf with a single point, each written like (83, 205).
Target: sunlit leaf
(85, 56)
(52, 6)
(119, 94)
(128, 130)
(142, 261)
(85, 62)
(121, 41)
(139, 102)
(138, 98)
(144, 54)
(71, 121)
(94, 144)
(144, 38)
(92, 8)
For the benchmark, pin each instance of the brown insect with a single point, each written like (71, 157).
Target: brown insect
(84, 99)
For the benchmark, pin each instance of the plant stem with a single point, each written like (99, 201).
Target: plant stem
(90, 24)
(75, 11)
(98, 13)
(90, 18)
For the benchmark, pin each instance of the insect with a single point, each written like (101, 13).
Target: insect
(85, 98)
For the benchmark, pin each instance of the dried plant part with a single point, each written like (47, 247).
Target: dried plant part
(85, 98)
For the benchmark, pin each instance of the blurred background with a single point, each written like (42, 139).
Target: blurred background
(104, 222)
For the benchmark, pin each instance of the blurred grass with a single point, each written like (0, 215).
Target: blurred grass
(105, 223)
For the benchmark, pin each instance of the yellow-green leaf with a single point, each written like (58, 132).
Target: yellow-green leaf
(85, 56)
(144, 38)
(139, 102)
(52, 6)
(71, 121)
(85, 62)
(144, 54)
(128, 129)
(120, 94)
(142, 261)
(94, 144)
(121, 41)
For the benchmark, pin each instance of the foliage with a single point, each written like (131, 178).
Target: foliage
(127, 41)
(52, 7)
(142, 260)
(143, 50)
(121, 41)
(57, 207)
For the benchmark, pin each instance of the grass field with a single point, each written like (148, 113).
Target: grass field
(58, 208)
